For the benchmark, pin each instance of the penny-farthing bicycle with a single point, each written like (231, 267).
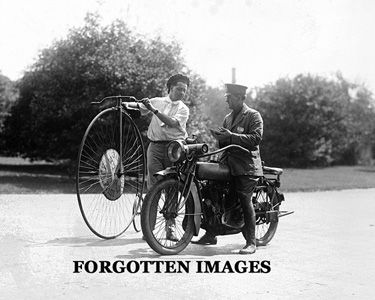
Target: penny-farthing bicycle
(111, 171)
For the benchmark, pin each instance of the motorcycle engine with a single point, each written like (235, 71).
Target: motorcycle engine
(213, 195)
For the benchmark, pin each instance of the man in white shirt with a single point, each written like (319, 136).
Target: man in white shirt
(168, 123)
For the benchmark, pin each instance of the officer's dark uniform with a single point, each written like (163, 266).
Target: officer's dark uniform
(247, 129)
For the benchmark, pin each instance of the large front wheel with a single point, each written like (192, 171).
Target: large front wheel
(167, 217)
(110, 173)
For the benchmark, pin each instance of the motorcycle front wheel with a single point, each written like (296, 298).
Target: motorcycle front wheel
(265, 204)
(167, 217)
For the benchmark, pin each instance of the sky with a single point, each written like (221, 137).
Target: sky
(262, 39)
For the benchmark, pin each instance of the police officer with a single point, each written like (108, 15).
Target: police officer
(242, 126)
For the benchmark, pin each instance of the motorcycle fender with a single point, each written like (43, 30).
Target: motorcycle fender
(166, 172)
(197, 208)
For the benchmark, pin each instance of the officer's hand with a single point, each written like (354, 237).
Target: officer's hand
(224, 133)
(215, 134)
(221, 133)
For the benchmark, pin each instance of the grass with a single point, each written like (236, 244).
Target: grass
(19, 176)
(333, 178)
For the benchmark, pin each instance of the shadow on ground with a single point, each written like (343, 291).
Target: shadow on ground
(91, 242)
(143, 250)
(191, 251)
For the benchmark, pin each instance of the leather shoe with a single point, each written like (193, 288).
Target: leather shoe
(248, 249)
(206, 239)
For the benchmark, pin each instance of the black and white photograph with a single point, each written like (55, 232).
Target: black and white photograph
(169, 149)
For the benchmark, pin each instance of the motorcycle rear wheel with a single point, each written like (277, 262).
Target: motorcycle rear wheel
(160, 212)
(265, 201)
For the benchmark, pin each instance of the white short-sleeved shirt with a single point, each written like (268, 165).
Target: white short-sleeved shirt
(159, 131)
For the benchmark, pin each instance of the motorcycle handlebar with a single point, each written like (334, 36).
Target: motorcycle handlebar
(225, 148)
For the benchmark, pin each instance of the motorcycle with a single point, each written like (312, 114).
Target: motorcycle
(196, 194)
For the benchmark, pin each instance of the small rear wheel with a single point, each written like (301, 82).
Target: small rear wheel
(167, 217)
(137, 214)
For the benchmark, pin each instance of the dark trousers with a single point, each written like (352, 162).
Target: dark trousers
(244, 186)
(157, 160)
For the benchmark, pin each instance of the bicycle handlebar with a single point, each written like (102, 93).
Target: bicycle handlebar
(117, 98)
(225, 148)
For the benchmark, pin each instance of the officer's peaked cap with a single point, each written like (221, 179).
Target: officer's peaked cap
(235, 89)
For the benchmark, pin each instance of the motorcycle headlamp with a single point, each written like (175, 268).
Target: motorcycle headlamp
(176, 151)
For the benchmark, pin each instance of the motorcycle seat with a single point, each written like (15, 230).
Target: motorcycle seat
(212, 171)
(272, 171)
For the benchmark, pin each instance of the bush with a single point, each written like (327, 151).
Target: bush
(313, 121)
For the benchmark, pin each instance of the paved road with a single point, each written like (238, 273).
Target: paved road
(325, 250)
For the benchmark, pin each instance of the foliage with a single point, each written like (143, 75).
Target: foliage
(216, 106)
(314, 121)
(199, 122)
(8, 96)
(92, 62)
(8, 93)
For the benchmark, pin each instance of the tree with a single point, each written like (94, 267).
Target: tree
(215, 106)
(199, 122)
(8, 96)
(92, 62)
(313, 121)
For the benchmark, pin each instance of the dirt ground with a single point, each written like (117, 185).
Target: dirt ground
(324, 250)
